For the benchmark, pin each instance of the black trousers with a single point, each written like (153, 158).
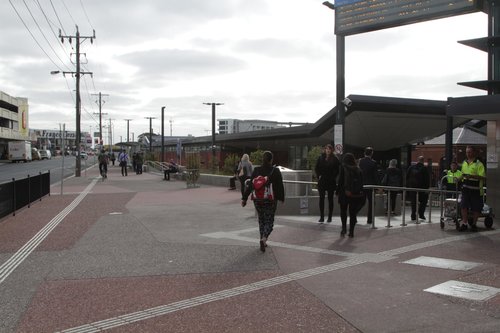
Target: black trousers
(368, 195)
(422, 203)
(322, 195)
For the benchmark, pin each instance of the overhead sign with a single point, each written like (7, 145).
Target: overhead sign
(357, 16)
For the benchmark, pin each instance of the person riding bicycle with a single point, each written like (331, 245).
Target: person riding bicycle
(103, 163)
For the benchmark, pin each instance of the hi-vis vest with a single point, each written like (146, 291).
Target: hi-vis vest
(475, 168)
(451, 177)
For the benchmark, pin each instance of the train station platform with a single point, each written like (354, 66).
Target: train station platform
(140, 254)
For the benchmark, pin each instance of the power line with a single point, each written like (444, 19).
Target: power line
(32, 36)
(43, 34)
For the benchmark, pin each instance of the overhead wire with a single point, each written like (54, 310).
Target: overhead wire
(51, 24)
(41, 31)
(33, 36)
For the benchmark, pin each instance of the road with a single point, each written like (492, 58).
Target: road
(54, 165)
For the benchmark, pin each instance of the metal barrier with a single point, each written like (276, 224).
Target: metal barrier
(22, 192)
(436, 193)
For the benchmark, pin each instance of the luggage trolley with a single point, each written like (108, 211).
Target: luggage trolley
(451, 211)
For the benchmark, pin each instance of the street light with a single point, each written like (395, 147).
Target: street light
(213, 130)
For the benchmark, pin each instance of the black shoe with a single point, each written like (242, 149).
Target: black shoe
(413, 218)
(321, 220)
(329, 220)
(463, 227)
(473, 228)
(368, 222)
(422, 217)
(351, 235)
(342, 233)
(263, 245)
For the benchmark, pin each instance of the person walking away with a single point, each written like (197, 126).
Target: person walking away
(451, 180)
(370, 176)
(327, 170)
(103, 163)
(418, 177)
(139, 160)
(245, 170)
(113, 158)
(123, 160)
(266, 208)
(350, 193)
(473, 177)
(393, 177)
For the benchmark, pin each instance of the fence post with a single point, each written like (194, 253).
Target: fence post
(13, 196)
(403, 209)
(29, 191)
(41, 184)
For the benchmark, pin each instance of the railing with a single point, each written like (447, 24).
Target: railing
(436, 198)
(22, 192)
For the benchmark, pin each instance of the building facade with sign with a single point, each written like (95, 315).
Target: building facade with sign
(14, 120)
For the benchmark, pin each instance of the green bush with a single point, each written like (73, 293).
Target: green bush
(312, 157)
(229, 163)
(256, 157)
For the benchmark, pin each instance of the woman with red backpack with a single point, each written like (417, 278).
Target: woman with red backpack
(265, 204)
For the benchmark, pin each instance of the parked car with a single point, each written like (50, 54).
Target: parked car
(83, 155)
(45, 154)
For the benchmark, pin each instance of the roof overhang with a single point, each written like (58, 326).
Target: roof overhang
(485, 107)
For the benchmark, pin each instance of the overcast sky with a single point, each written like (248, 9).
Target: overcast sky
(264, 59)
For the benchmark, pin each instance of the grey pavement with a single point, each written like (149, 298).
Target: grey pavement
(140, 254)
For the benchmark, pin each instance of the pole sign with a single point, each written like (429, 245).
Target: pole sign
(358, 16)
(337, 138)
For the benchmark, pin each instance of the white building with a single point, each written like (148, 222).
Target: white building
(230, 126)
(14, 120)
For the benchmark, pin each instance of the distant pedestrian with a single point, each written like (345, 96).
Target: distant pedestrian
(370, 177)
(123, 160)
(393, 177)
(245, 170)
(266, 208)
(139, 160)
(113, 158)
(417, 176)
(232, 180)
(327, 170)
(350, 192)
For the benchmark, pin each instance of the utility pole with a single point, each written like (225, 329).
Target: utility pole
(213, 131)
(128, 123)
(100, 103)
(77, 74)
(162, 134)
(110, 137)
(150, 133)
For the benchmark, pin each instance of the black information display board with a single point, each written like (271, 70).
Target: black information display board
(357, 16)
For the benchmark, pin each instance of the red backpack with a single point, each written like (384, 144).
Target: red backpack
(262, 188)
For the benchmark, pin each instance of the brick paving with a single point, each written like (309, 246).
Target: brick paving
(145, 255)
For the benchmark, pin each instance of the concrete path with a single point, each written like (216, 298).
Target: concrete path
(139, 254)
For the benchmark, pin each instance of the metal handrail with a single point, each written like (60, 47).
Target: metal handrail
(379, 188)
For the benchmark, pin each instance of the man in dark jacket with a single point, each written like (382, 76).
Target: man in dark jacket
(370, 177)
(417, 176)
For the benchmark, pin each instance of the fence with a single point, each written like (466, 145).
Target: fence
(19, 193)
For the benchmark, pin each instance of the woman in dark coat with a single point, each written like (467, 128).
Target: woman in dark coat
(267, 208)
(327, 170)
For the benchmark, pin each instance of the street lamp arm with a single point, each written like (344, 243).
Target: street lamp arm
(329, 5)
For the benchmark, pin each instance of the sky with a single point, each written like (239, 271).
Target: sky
(263, 59)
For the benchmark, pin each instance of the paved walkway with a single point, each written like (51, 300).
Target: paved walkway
(139, 254)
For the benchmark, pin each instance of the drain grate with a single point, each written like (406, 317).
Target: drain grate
(470, 291)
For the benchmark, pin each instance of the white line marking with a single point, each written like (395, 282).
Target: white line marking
(13, 262)
(255, 286)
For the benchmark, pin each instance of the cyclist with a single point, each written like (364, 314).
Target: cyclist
(103, 164)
